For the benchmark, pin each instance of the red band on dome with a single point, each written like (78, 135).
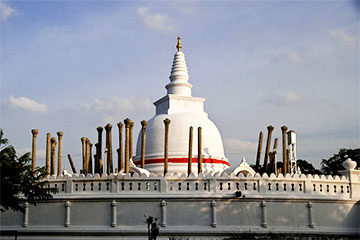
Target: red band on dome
(182, 160)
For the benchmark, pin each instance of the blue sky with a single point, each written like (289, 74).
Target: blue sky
(75, 65)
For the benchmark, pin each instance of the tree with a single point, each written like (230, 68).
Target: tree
(306, 167)
(333, 165)
(18, 182)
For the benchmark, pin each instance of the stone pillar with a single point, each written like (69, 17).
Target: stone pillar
(83, 153)
(26, 214)
(109, 148)
(267, 150)
(87, 156)
(48, 152)
(106, 165)
(199, 150)
(213, 213)
(120, 150)
(101, 164)
(163, 213)
(309, 206)
(99, 169)
(127, 122)
(263, 214)
(190, 150)
(166, 145)
(258, 155)
(143, 141)
(272, 156)
(53, 146)
(90, 164)
(67, 213)
(113, 213)
(60, 135)
(131, 140)
(34, 135)
(284, 153)
(71, 163)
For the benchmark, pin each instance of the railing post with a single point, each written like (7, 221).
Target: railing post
(263, 214)
(163, 213)
(67, 213)
(26, 214)
(309, 206)
(113, 214)
(213, 213)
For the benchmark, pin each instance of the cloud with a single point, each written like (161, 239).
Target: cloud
(40, 153)
(289, 98)
(6, 11)
(343, 36)
(27, 104)
(158, 22)
(112, 108)
(237, 146)
(293, 57)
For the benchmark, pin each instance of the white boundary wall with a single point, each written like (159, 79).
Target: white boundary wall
(201, 207)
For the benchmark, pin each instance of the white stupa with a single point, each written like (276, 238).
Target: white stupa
(184, 111)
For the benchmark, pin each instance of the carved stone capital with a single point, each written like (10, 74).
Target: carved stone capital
(167, 122)
(108, 127)
(34, 132)
(144, 123)
(99, 129)
(127, 122)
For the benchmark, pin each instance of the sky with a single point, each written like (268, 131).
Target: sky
(72, 66)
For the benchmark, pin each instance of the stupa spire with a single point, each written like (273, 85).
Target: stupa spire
(179, 76)
(178, 45)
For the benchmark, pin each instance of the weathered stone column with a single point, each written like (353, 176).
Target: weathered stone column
(127, 122)
(120, 149)
(190, 150)
(199, 150)
(143, 141)
(98, 151)
(267, 150)
(71, 163)
(131, 140)
(101, 164)
(83, 153)
(258, 155)
(87, 156)
(34, 135)
(166, 145)
(109, 148)
(272, 156)
(53, 146)
(48, 152)
(90, 167)
(60, 135)
(284, 153)
(106, 165)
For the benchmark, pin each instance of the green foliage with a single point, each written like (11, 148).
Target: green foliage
(18, 182)
(306, 167)
(333, 165)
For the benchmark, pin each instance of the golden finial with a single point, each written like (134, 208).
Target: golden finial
(178, 45)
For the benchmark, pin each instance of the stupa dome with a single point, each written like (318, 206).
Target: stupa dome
(184, 111)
